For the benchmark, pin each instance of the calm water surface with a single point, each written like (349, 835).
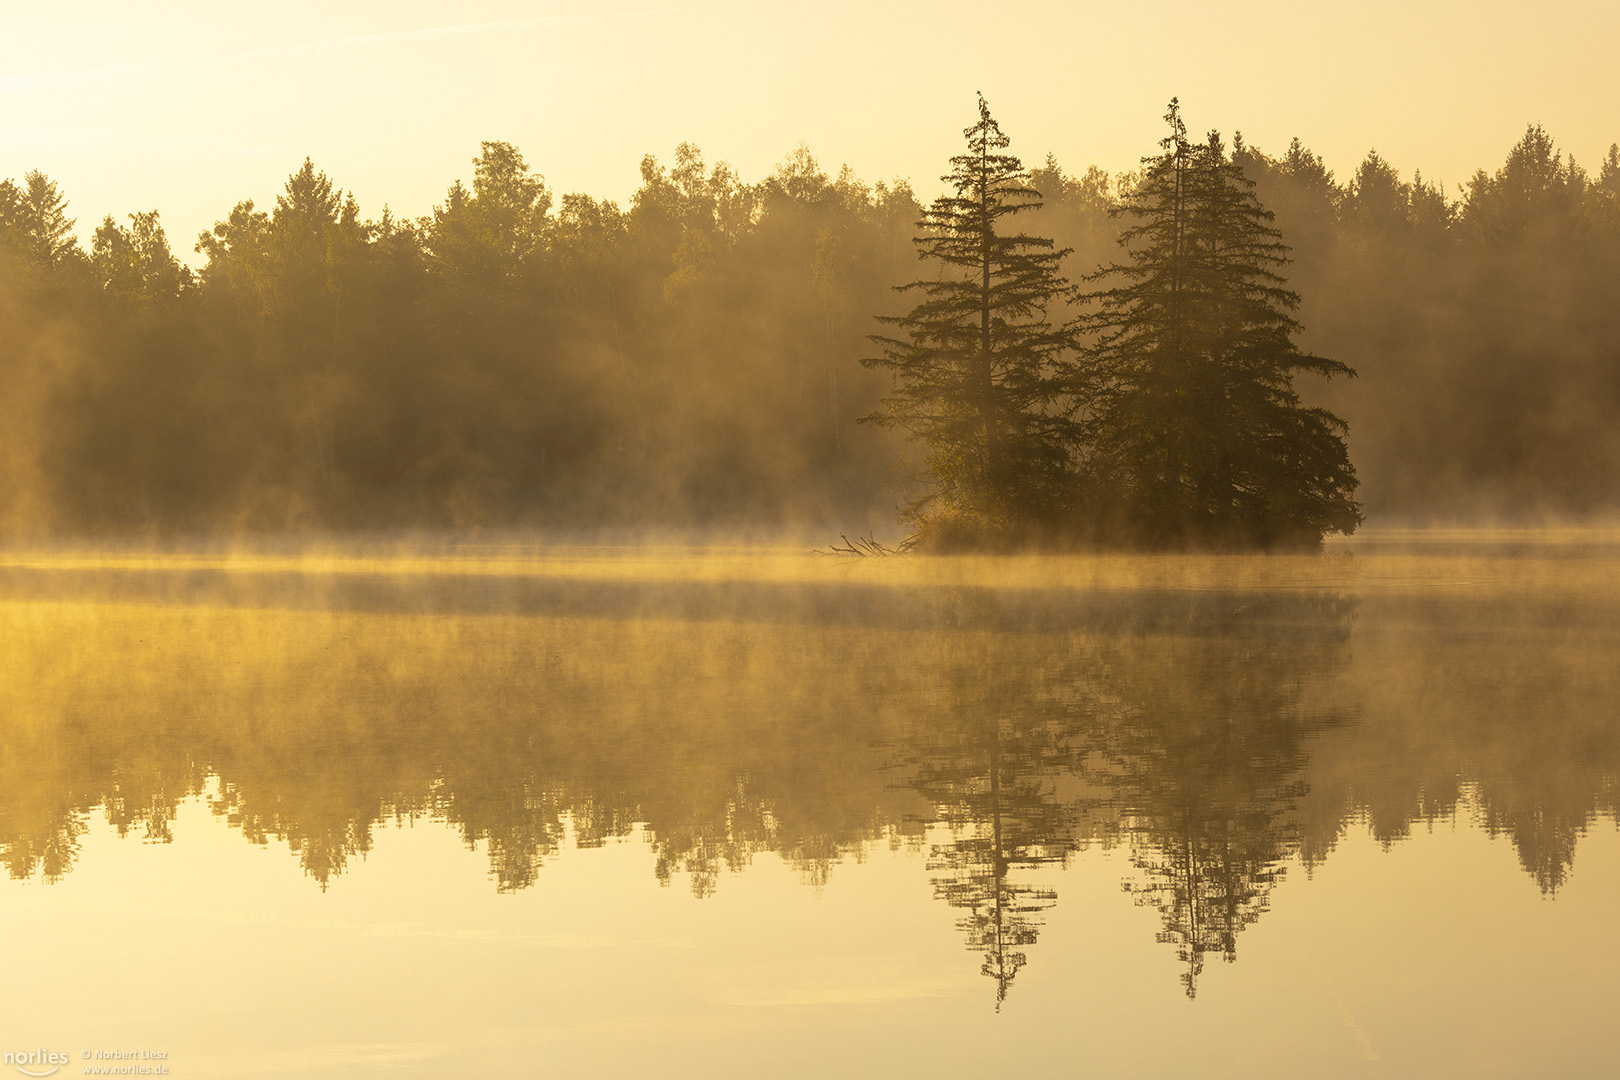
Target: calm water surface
(505, 811)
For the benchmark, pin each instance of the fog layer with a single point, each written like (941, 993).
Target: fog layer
(692, 359)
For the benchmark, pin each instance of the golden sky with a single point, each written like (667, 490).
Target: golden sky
(190, 106)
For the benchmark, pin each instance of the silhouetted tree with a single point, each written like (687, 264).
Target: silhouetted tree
(1299, 188)
(1604, 195)
(480, 238)
(1200, 434)
(1378, 204)
(39, 216)
(1535, 195)
(975, 372)
(135, 262)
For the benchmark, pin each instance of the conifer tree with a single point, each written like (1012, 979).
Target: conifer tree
(974, 364)
(46, 230)
(1199, 434)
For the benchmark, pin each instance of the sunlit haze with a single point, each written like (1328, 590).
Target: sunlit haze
(190, 107)
(729, 539)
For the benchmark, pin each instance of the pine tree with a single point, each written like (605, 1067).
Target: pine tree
(974, 366)
(1199, 434)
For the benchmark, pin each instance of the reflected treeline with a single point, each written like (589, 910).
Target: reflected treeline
(1502, 710)
(1215, 737)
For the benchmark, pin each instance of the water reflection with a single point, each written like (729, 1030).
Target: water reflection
(1177, 730)
(1208, 754)
(991, 729)
(1214, 736)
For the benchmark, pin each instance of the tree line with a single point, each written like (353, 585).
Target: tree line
(520, 357)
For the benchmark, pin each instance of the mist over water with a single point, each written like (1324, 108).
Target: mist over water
(1010, 735)
(426, 651)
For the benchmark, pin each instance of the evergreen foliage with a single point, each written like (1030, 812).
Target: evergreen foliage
(1198, 434)
(975, 373)
(526, 358)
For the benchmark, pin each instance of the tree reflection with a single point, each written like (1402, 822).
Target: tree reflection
(1172, 725)
(1208, 752)
(995, 731)
(987, 755)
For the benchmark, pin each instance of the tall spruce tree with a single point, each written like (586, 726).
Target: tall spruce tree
(975, 363)
(1199, 434)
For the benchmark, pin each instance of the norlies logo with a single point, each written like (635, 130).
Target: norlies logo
(40, 1062)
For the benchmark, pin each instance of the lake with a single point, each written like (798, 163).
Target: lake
(507, 810)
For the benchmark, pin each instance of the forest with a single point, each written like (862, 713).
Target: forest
(693, 359)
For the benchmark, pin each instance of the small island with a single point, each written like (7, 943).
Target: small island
(1165, 414)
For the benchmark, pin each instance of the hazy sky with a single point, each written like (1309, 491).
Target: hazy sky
(188, 107)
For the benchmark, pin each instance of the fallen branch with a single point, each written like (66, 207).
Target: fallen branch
(867, 546)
